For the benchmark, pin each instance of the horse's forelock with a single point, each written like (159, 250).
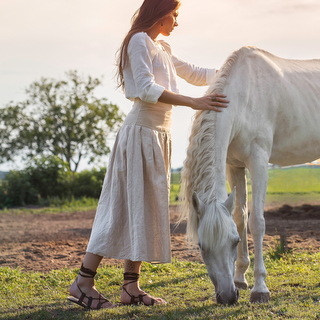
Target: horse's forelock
(215, 226)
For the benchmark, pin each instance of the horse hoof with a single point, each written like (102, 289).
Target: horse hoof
(241, 285)
(260, 297)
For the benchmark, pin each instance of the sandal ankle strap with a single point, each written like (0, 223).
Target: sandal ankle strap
(131, 276)
(89, 273)
(134, 277)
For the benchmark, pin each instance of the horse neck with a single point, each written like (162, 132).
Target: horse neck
(207, 153)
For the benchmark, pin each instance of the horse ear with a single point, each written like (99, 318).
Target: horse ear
(230, 203)
(197, 204)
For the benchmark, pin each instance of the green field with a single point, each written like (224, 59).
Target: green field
(292, 186)
(293, 281)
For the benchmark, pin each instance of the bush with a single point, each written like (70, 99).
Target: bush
(50, 176)
(3, 195)
(88, 183)
(47, 180)
(43, 177)
(17, 190)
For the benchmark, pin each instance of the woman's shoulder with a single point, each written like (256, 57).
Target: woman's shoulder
(141, 40)
(140, 37)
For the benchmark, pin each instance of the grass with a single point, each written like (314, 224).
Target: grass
(174, 193)
(57, 206)
(280, 249)
(293, 186)
(301, 180)
(293, 281)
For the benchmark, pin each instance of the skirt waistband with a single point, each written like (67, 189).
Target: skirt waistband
(154, 116)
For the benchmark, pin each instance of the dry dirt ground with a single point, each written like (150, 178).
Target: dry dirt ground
(43, 242)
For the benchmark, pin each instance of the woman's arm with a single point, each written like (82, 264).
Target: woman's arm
(203, 103)
(143, 83)
(193, 74)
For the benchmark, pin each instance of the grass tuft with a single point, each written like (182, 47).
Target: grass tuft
(280, 248)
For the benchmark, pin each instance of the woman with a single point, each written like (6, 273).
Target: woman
(132, 219)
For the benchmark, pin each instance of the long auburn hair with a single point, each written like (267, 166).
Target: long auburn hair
(150, 12)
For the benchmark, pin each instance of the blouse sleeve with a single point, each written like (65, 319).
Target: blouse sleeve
(142, 70)
(195, 75)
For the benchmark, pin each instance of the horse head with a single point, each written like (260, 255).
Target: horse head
(218, 240)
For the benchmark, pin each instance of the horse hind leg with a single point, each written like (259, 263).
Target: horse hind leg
(237, 178)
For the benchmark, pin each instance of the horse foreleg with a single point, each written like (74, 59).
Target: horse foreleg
(259, 181)
(237, 178)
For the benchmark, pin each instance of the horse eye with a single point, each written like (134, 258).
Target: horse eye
(200, 246)
(237, 242)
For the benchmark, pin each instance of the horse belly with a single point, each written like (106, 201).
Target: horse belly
(301, 147)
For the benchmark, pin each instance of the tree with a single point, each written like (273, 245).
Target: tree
(61, 118)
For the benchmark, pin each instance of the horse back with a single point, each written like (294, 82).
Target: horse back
(275, 102)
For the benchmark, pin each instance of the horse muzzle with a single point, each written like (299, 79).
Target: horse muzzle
(230, 298)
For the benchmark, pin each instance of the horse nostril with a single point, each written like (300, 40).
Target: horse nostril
(235, 298)
(218, 297)
(237, 294)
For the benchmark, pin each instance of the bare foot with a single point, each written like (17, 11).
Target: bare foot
(147, 299)
(87, 286)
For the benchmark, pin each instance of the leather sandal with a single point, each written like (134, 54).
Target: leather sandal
(134, 277)
(87, 306)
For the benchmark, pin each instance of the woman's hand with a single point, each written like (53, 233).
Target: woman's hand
(212, 102)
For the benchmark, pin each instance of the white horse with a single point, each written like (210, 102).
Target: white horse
(273, 116)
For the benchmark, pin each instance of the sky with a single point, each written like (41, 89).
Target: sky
(46, 38)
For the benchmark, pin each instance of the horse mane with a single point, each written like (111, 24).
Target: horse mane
(198, 174)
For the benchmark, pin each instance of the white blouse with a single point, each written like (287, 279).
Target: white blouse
(151, 68)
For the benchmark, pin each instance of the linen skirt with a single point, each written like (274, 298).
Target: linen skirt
(132, 219)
